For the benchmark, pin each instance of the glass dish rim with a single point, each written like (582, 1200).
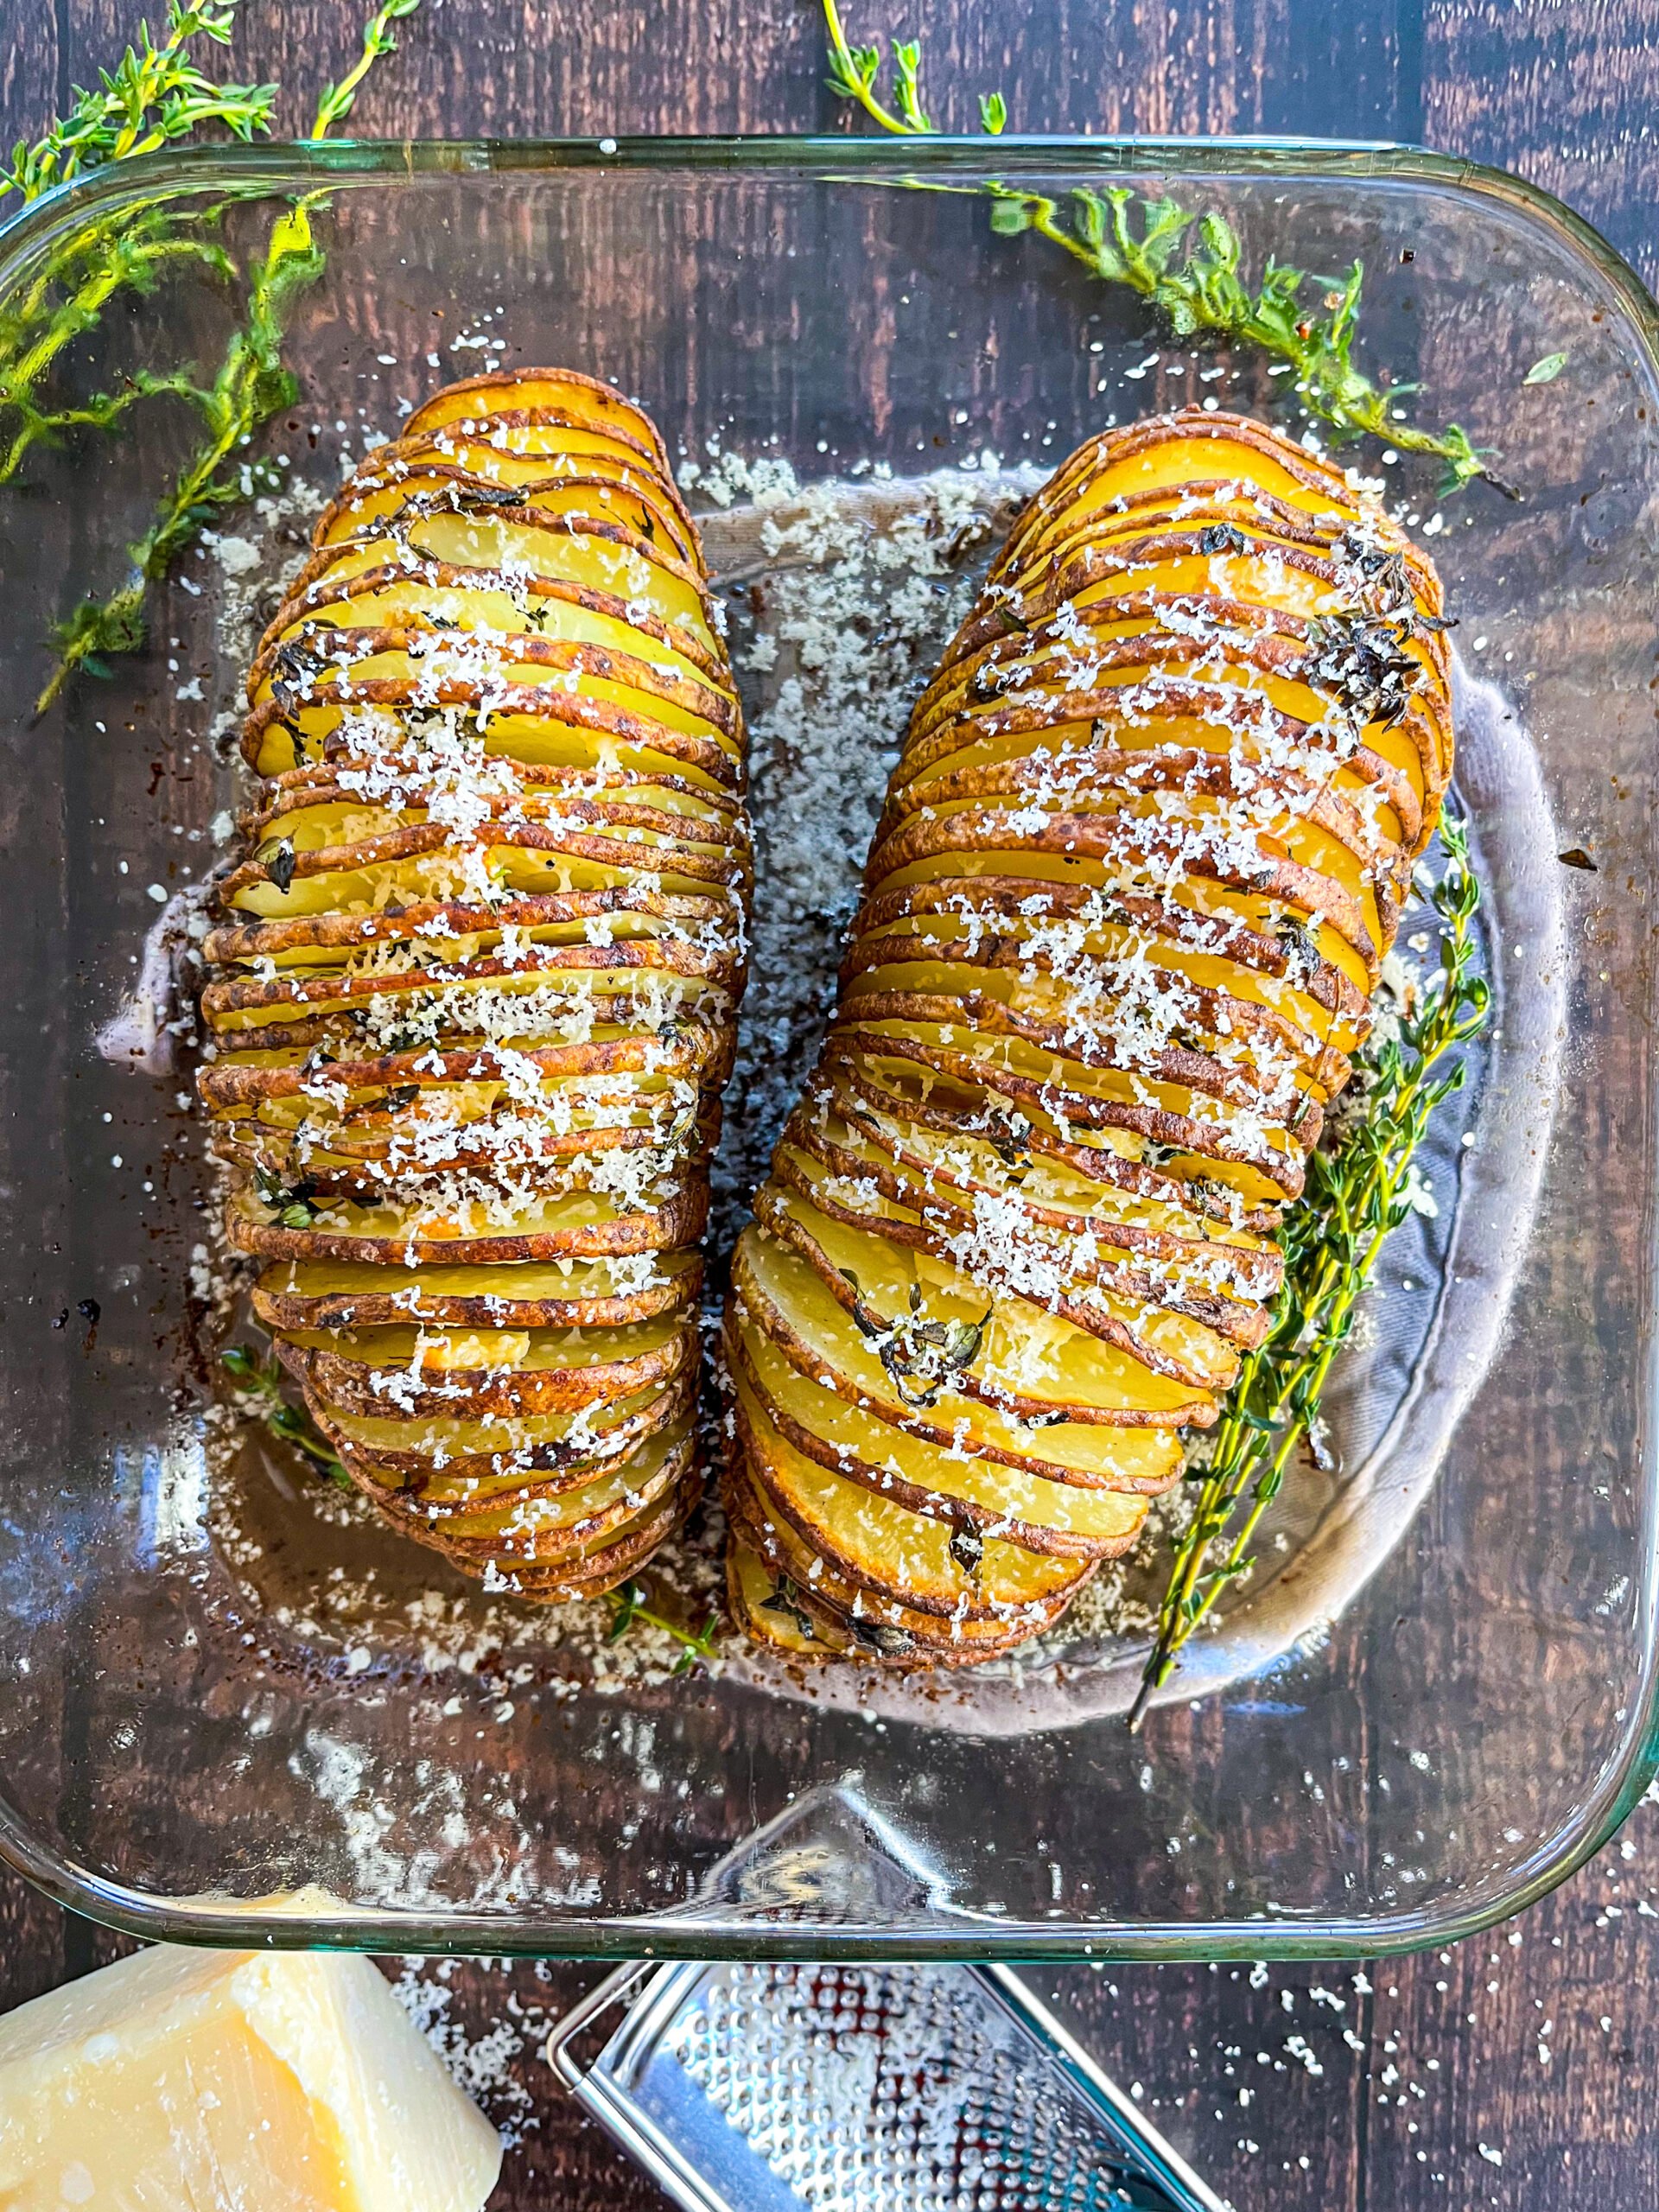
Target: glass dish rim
(233, 1922)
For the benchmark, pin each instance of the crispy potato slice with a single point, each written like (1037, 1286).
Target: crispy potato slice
(573, 1225)
(792, 1596)
(564, 1531)
(751, 1595)
(309, 1295)
(1032, 1363)
(494, 1371)
(453, 1465)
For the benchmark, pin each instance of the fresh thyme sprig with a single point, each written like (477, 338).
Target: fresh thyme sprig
(154, 94)
(855, 71)
(1357, 1192)
(630, 1602)
(259, 1392)
(252, 384)
(1185, 265)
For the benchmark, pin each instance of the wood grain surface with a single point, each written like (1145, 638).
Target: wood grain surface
(1517, 2071)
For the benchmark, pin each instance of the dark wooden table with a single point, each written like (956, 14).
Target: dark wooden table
(1519, 2070)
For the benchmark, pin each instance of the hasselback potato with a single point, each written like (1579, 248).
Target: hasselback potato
(1144, 850)
(475, 979)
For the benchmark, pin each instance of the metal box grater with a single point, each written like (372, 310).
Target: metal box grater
(856, 2086)
(763, 2086)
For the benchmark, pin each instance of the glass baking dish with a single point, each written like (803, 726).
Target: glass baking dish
(1436, 1699)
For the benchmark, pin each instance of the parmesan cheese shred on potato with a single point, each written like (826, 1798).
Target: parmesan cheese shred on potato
(476, 975)
(1145, 850)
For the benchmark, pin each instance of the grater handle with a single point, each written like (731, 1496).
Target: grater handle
(604, 1997)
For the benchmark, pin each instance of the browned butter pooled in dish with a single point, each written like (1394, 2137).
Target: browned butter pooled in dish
(476, 975)
(1147, 844)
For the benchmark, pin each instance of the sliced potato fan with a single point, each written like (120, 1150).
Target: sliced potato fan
(474, 979)
(1142, 856)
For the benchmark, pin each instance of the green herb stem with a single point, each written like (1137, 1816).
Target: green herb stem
(630, 1602)
(101, 412)
(259, 1392)
(338, 101)
(252, 385)
(153, 95)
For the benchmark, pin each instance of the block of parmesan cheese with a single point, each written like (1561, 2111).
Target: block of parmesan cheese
(181, 2080)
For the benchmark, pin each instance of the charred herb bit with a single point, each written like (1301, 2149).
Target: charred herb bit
(1222, 537)
(1303, 958)
(277, 861)
(879, 1636)
(630, 1602)
(295, 672)
(922, 1358)
(784, 1602)
(1383, 589)
(967, 1548)
(259, 1390)
(1009, 1135)
(1362, 665)
(465, 500)
(291, 1202)
(1185, 265)
(1355, 1195)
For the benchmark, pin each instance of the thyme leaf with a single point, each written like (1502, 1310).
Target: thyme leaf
(1356, 1194)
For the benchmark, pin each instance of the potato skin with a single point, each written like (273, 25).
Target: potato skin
(1142, 856)
(475, 974)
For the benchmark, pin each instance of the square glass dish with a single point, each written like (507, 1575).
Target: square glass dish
(218, 1687)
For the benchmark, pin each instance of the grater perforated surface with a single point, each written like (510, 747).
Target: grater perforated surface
(887, 2088)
